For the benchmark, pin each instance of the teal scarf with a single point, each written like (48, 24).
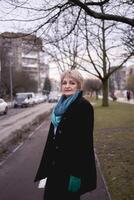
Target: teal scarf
(61, 107)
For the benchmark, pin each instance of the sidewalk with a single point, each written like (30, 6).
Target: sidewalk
(121, 99)
(124, 100)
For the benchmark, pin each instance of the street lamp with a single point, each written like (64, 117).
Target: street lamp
(10, 78)
(0, 79)
(11, 84)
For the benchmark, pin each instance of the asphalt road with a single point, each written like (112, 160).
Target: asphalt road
(11, 112)
(17, 172)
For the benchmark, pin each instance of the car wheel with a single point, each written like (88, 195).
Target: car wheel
(6, 109)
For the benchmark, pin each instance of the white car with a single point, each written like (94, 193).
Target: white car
(39, 98)
(53, 97)
(3, 106)
(24, 99)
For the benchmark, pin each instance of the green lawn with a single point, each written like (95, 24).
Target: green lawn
(114, 143)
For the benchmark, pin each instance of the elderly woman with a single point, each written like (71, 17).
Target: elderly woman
(68, 159)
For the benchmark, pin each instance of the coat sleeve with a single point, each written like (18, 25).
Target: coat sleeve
(85, 158)
(81, 144)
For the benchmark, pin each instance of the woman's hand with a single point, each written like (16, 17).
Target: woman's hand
(74, 184)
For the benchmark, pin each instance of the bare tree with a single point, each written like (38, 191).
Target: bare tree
(103, 44)
(22, 82)
(86, 6)
(99, 41)
(50, 11)
(93, 85)
(43, 16)
(65, 53)
(128, 39)
(65, 17)
(130, 83)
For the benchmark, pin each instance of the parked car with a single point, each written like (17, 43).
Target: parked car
(53, 97)
(3, 106)
(39, 98)
(24, 99)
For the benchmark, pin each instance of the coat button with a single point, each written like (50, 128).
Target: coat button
(54, 137)
(53, 162)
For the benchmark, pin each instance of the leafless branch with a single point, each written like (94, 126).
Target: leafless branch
(105, 16)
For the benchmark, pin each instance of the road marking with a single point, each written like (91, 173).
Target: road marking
(31, 134)
(17, 147)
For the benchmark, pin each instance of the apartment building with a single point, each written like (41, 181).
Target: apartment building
(118, 79)
(23, 52)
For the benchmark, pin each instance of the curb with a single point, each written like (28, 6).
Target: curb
(104, 181)
(19, 135)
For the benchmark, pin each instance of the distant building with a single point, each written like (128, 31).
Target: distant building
(23, 52)
(55, 85)
(119, 78)
(130, 70)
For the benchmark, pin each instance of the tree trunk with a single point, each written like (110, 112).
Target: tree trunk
(97, 95)
(105, 101)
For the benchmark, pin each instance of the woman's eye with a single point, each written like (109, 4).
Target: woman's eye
(72, 83)
(68, 83)
(64, 83)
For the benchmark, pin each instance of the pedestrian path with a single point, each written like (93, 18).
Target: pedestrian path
(124, 100)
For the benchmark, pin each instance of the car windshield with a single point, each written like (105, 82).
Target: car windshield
(20, 97)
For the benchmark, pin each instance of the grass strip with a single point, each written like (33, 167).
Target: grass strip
(114, 143)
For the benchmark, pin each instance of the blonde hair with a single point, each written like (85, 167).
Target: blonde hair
(75, 74)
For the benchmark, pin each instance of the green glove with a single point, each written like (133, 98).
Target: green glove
(74, 184)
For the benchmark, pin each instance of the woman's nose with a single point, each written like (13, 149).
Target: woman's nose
(67, 85)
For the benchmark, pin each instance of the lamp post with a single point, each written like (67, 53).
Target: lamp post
(0, 69)
(11, 84)
(38, 61)
(0, 78)
(10, 79)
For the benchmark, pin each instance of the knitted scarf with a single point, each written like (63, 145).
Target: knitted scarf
(61, 107)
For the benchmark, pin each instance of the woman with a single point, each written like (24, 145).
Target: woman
(68, 159)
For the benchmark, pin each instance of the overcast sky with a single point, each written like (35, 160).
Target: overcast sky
(7, 11)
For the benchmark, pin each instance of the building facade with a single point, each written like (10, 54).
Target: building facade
(118, 80)
(23, 53)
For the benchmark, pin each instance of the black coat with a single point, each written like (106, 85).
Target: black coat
(71, 149)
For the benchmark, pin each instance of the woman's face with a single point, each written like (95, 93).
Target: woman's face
(69, 86)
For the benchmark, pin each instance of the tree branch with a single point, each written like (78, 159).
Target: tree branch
(102, 16)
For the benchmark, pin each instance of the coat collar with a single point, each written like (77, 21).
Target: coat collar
(75, 103)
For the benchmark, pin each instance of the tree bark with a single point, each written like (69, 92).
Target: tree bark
(105, 91)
